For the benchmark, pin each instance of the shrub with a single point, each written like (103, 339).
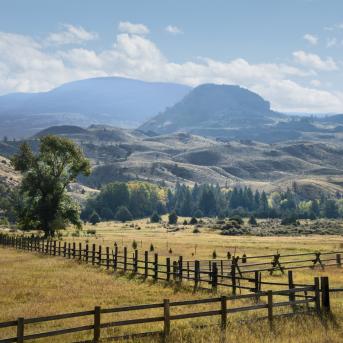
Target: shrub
(198, 214)
(134, 245)
(196, 230)
(94, 218)
(170, 251)
(155, 218)
(152, 248)
(123, 214)
(193, 221)
(185, 222)
(214, 255)
(237, 218)
(252, 221)
(172, 218)
(289, 220)
(91, 232)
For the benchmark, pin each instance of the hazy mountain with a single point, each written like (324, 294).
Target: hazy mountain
(209, 109)
(108, 100)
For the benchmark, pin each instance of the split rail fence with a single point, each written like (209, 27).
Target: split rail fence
(316, 301)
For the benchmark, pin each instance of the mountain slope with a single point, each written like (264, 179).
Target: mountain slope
(108, 100)
(212, 108)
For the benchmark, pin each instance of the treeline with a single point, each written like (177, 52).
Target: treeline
(125, 201)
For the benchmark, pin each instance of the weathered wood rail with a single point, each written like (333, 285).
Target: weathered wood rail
(315, 301)
(210, 274)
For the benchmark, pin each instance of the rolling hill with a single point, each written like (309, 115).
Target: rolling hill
(212, 109)
(125, 154)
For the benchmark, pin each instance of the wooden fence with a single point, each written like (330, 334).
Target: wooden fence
(230, 274)
(273, 262)
(316, 299)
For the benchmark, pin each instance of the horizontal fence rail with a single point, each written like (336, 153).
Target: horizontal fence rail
(315, 300)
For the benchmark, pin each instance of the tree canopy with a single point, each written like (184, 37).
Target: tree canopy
(45, 204)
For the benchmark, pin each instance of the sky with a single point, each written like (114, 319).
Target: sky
(288, 51)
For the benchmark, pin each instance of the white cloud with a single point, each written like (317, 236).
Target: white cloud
(27, 65)
(314, 61)
(71, 35)
(127, 27)
(173, 29)
(313, 40)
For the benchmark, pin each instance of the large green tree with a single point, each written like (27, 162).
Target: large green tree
(46, 175)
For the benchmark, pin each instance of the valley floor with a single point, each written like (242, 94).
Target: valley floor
(32, 285)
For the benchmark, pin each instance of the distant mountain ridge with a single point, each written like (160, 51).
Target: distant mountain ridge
(106, 100)
(211, 107)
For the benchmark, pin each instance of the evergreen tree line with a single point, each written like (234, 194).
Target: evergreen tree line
(122, 201)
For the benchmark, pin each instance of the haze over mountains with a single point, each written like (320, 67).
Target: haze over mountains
(109, 100)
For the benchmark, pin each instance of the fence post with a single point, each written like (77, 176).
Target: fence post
(180, 268)
(97, 318)
(187, 270)
(291, 295)
(156, 266)
(196, 274)
(270, 309)
(64, 249)
(74, 250)
(214, 276)
(80, 251)
(54, 248)
(325, 294)
(100, 257)
(317, 295)
(59, 248)
(20, 330)
(233, 278)
(338, 260)
(166, 316)
(125, 259)
(168, 268)
(115, 258)
(107, 258)
(135, 262)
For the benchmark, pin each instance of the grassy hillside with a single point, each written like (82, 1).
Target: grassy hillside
(125, 155)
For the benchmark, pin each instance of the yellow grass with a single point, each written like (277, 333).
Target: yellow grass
(32, 285)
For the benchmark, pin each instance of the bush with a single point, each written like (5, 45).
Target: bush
(198, 214)
(123, 214)
(172, 218)
(152, 248)
(196, 230)
(155, 218)
(252, 221)
(91, 232)
(185, 222)
(94, 218)
(214, 255)
(237, 219)
(134, 245)
(193, 221)
(289, 220)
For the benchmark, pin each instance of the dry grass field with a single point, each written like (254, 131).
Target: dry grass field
(32, 285)
(182, 241)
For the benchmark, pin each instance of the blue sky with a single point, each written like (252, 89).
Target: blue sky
(290, 51)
